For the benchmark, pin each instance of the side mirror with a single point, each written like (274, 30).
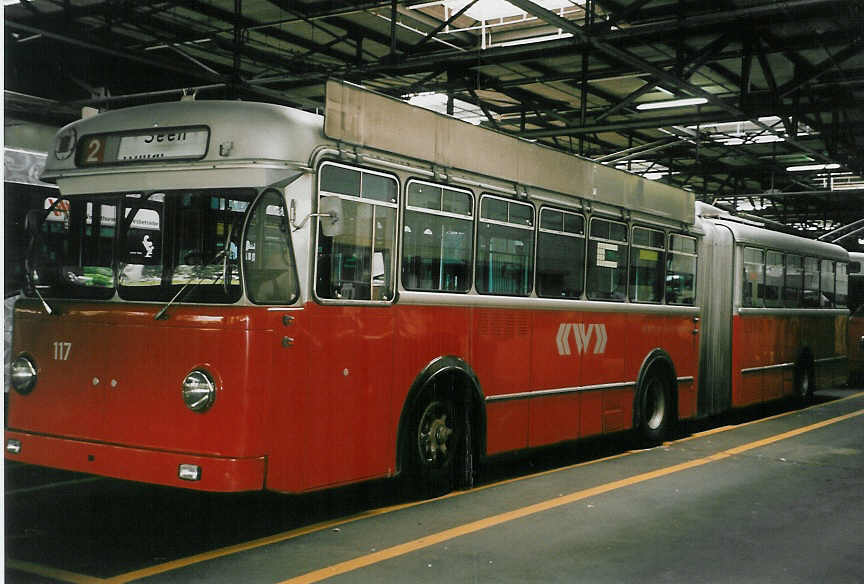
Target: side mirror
(330, 213)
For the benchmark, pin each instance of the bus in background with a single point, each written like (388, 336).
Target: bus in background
(856, 321)
(242, 296)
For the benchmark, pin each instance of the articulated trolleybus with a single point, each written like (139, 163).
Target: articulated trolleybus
(233, 296)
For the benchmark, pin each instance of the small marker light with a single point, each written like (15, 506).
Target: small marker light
(13, 446)
(189, 472)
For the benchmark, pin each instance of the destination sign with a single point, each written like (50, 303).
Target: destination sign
(144, 146)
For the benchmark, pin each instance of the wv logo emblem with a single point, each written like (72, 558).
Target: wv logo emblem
(581, 334)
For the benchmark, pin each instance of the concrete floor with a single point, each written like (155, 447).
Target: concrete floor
(779, 499)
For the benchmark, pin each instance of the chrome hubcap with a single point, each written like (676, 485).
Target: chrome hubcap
(655, 404)
(805, 384)
(433, 434)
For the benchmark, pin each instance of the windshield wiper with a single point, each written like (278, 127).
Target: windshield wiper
(44, 303)
(197, 279)
(33, 226)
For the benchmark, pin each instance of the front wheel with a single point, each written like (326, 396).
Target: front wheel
(654, 414)
(439, 449)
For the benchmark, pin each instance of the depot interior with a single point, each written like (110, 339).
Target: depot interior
(754, 106)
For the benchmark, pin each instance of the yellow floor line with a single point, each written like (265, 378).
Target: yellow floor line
(486, 523)
(53, 573)
(758, 420)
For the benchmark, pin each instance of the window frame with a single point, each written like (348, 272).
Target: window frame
(253, 208)
(439, 213)
(394, 266)
(630, 265)
(801, 266)
(780, 301)
(583, 237)
(626, 255)
(695, 254)
(814, 301)
(744, 263)
(531, 255)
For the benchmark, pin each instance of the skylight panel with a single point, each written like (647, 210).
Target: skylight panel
(437, 102)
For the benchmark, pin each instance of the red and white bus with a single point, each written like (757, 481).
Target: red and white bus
(234, 296)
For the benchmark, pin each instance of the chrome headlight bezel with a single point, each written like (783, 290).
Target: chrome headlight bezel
(23, 374)
(199, 390)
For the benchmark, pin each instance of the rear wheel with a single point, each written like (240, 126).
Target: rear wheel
(654, 410)
(804, 383)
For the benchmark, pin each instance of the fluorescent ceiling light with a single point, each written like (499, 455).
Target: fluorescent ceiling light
(766, 139)
(11, 2)
(493, 9)
(806, 167)
(539, 39)
(671, 103)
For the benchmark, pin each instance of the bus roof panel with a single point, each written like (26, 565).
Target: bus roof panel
(751, 234)
(372, 120)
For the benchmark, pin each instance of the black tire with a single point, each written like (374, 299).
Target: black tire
(654, 410)
(804, 383)
(438, 443)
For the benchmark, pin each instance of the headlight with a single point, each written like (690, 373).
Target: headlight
(199, 390)
(23, 374)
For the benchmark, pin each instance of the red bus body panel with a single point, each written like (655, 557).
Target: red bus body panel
(120, 388)
(311, 397)
(763, 341)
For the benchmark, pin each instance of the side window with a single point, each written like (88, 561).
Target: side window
(607, 260)
(754, 278)
(647, 260)
(826, 300)
(438, 238)
(810, 295)
(356, 261)
(841, 297)
(773, 279)
(505, 247)
(268, 262)
(681, 270)
(792, 292)
(560, 254)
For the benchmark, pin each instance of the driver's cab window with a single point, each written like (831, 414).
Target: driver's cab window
(72, 255)
(355, 255)
(268, 261)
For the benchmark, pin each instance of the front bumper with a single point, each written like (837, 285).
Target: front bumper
(138, 464)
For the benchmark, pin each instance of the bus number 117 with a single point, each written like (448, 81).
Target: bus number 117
(62, 350)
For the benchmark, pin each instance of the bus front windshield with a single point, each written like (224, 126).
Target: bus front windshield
(142, 246)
